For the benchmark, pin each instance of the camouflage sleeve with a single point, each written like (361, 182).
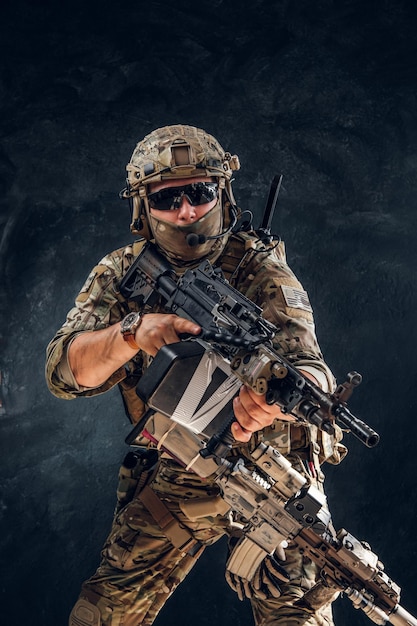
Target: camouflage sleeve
(268, 281)
(98, 305)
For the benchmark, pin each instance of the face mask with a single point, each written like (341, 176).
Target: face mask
(172, 239)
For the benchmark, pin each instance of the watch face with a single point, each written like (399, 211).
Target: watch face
(129, 321)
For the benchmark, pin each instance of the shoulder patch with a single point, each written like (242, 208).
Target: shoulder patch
(98, 270)
(296, 298)
(95, 273)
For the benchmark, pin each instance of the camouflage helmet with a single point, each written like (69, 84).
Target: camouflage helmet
(170, 152)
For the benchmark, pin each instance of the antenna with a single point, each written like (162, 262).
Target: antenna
(264, 231)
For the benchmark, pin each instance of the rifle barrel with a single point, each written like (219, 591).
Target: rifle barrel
(362, 431)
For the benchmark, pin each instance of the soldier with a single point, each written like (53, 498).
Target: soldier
(180, 194)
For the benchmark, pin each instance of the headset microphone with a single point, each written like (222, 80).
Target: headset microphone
(193, 239)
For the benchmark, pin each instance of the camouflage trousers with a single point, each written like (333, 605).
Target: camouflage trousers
(140, 568)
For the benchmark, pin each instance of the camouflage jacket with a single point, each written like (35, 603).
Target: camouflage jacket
(260, 272)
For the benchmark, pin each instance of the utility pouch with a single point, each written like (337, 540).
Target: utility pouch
(137, 470)
(173, 439)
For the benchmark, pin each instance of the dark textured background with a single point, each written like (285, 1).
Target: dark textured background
(323, 92)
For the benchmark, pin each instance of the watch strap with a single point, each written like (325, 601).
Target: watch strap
(130, 340)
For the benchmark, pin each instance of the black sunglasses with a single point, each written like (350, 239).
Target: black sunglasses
(170, 198)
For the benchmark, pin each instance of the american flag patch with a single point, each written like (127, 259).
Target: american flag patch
(296, 298)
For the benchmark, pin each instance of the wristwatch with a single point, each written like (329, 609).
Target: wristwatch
(128, 328)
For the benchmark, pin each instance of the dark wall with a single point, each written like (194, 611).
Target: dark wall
(323, 92)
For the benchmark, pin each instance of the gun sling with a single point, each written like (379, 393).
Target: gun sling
(180, 537)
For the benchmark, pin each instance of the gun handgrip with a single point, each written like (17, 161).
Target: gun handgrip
(220, 444)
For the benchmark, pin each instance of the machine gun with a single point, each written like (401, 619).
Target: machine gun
(270, 499)
(234, 326)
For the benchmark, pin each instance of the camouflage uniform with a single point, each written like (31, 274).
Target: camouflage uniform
(140, 566)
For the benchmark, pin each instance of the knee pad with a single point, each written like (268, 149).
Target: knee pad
(85, 614)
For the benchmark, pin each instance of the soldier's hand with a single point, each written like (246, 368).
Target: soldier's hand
(265, 583)
(160, 329)
(253, 413)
